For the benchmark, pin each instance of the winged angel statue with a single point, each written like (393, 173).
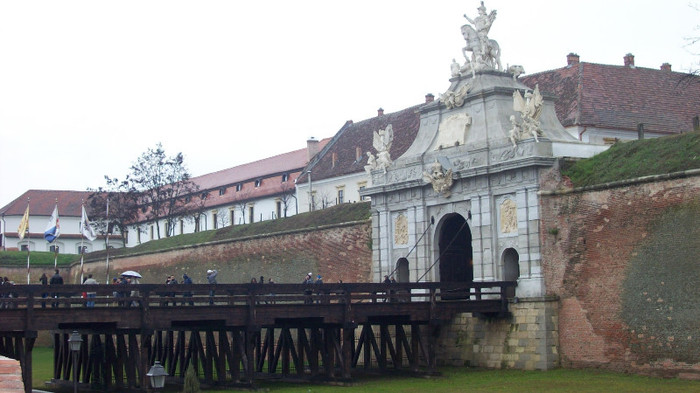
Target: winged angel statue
(381, 141)
(530, 109)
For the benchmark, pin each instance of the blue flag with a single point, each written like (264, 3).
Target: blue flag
(53, 229)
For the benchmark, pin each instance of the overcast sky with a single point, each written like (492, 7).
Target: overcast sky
(87, 86)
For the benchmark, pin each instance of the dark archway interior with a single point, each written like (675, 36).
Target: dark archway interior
(456, 252)
(511, 269)
(402, 270)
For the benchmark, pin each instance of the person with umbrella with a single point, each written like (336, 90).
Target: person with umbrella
(132, 277)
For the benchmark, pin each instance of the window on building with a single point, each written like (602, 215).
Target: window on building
(222, 191)
(334, 159)
(278, 208)
(54, 248)
(126, 237)
(182, 226)
(152, 233)
(341, 195)
(360, 187)
(24, 247)
(167, 229)
(358, 154)
(285, 177)
(251, 214)
(214, 219)
(188, 199)
(258, 182)
(204, 195)
(232, 215)
(239, 186)
(138, 235)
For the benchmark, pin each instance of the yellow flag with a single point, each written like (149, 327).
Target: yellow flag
(23, 225)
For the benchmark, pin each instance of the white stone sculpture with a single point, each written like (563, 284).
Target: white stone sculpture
(486, 53)
(516, 70)
(455, 99)
(381, 141)
(440, 179)
(530, 109)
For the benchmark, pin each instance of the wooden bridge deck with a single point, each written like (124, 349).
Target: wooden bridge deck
(236, 333)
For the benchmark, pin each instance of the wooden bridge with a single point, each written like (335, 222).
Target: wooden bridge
(238, 333)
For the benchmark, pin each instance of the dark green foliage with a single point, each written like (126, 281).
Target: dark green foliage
(191, 384)
(629, 160)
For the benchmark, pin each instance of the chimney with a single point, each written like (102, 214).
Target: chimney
(429, 98)
(629, 60)
(571, 59)
(311, 147)
(380, 112)
(666, 67)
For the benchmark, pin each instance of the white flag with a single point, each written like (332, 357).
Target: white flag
(53, 228)
(85, 227)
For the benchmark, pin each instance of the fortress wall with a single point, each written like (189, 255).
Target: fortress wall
(623, 262)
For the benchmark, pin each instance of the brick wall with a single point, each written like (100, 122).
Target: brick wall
(623, 261)
(337, 253)
(10, 376)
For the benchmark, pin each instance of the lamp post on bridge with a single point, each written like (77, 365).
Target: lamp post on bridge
(75, 342)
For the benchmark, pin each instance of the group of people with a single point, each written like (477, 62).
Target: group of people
(6, 281)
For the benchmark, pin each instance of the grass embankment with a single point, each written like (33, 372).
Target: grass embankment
(452, 379)
(37, 258)
(629, 160)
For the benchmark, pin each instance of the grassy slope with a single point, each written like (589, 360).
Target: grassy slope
(628, 160)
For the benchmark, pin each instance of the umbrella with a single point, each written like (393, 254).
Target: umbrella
(131, 273)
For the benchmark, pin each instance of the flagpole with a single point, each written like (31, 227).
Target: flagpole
(82, 250)
(107, 245)
(55, 253)
(27, 230)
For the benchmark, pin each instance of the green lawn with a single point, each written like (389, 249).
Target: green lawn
(455, 379)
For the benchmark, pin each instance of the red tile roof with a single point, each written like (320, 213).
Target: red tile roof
(621, 97)
(269, 170)
(355, 139)
(41, 203)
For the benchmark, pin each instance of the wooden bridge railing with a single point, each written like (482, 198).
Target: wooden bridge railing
(160, 295)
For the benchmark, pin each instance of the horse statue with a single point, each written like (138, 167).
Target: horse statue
(483, 56)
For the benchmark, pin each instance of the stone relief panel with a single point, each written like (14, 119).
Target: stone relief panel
(453, 131)
(400, 230)
(508, 212)
(498, 155)
(404, 174)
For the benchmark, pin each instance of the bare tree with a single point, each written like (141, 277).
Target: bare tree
(241, 201)
(286, 196)
(162, 182)
(113, 207)
(222, 219)
(326, 200)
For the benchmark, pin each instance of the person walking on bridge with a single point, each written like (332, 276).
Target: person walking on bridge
(56, 279)
(211, 278)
